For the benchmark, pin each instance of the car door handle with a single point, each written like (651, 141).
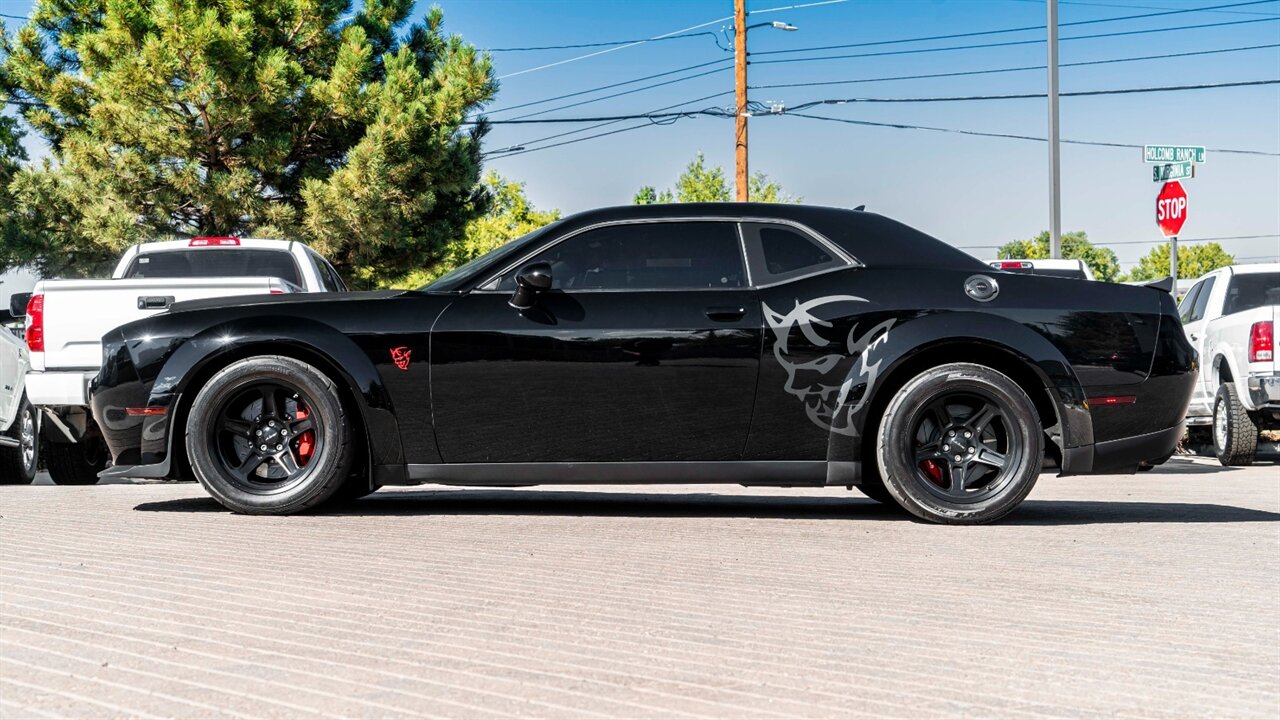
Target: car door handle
(154, 302)
(726, 312)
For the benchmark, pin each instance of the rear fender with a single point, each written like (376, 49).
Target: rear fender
(313, 342)
(911, 338)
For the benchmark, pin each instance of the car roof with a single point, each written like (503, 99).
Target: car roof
(170, 245)
(1255, 268)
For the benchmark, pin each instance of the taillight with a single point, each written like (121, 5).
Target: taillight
(1261, 342)
(1013, 265)
(35, 323)
(214, 242)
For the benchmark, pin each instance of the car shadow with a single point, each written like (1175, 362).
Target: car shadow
(569, 503)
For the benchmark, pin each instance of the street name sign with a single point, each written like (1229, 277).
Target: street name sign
(1171, 208)
(1173, 171)
(1173, 153)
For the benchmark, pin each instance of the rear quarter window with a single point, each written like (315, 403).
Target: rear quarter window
(877, 241)
(1251, 290)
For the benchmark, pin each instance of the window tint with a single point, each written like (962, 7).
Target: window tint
(1202, 300)
(1189, 301)
(219, 262)
(645, 256)
(1252, 290)
(779, 252)
(329, 278)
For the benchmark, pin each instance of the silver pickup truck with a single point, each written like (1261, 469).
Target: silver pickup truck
(1230, 317)
(66, 319)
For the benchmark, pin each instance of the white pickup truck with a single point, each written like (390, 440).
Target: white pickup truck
(66, 320)
(1230, 317)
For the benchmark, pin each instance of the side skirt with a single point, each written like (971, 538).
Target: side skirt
(774, 473)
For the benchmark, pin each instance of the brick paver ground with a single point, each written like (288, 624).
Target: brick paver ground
(1155, 595)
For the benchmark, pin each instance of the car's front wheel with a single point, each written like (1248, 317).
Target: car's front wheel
(19, 461)
(960, 444)
(268, 435)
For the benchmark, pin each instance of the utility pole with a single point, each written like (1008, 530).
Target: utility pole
(1055, 169)
(740, 83)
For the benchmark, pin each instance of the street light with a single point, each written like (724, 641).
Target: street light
(784, 26)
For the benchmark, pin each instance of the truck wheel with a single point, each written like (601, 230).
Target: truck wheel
(268, 435)
(960, 444)
(76, 463)
(18, 464)
(1235, 436)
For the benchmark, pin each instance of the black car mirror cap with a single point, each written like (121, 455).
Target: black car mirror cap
(531, 280)
(18, 305)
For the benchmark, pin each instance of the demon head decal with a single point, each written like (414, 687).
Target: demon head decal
(828, 369)
(400, 356)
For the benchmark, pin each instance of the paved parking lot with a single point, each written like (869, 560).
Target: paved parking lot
(1143, 596)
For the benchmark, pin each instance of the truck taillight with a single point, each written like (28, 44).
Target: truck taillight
(1261, 342)
(214, 242)
(35, 323)
(1011, 265)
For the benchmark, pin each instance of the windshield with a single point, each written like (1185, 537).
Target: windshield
(456, 277)
(210, 263)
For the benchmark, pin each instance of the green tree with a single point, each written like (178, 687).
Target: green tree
(1075, 246)
(229, 117)
(12, 155)
(1193, 261)
(699, 183)
(510, 215)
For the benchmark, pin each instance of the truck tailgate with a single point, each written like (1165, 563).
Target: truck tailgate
(77, 313)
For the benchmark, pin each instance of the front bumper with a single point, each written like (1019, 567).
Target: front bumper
(1264, 391)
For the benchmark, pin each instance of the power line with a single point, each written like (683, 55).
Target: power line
(610, 86)
(1140, 7)
(1009, 136)
(972, 98)
(620, 94)
(633, 41)
(1020, 68)
(1024, 96)
(662, 36)
(1004, 31)
(1013, 43)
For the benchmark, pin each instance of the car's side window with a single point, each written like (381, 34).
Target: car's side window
(1189, 301)
(780, 252)
(1202, 300)
(645, 256)
(329, 277)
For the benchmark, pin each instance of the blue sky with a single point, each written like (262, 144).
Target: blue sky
(970, 191)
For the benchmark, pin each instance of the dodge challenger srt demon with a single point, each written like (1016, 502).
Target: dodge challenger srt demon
(733, 343)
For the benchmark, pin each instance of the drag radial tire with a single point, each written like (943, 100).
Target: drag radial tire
(960, 444)
(18, 464)
(1235, 436)
(268, 435)
(76, 463)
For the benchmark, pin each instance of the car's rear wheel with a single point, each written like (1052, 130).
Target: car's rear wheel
(76, 463)
(19, 462)
(1235, 435)
(268, 435)
(960, 444)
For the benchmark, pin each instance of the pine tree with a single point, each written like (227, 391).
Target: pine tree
(290, 118)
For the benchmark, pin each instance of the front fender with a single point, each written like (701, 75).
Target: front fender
(910, 338)
(308, 340)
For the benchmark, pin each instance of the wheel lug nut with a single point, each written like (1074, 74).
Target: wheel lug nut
(971, 449)
(258, 432)
(968, 434)
(958, 458)
(279, 447)
(946, 447)
(262, 448)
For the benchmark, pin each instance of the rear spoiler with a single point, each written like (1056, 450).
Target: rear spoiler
(1164, 283)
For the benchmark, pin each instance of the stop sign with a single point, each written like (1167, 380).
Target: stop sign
(1171, 208)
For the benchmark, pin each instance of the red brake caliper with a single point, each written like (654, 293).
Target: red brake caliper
(933, 470)
(307, 440)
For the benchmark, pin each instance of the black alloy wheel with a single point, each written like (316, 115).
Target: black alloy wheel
(269, 435)
(960, 444)
(265, 436)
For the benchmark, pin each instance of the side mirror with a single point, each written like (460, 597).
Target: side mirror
(532, 279)
(18, 305)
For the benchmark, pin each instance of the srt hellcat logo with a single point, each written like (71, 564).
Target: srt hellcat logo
(400, 356)
(825, 380)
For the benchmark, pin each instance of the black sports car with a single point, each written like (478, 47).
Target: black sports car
(718, 343)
